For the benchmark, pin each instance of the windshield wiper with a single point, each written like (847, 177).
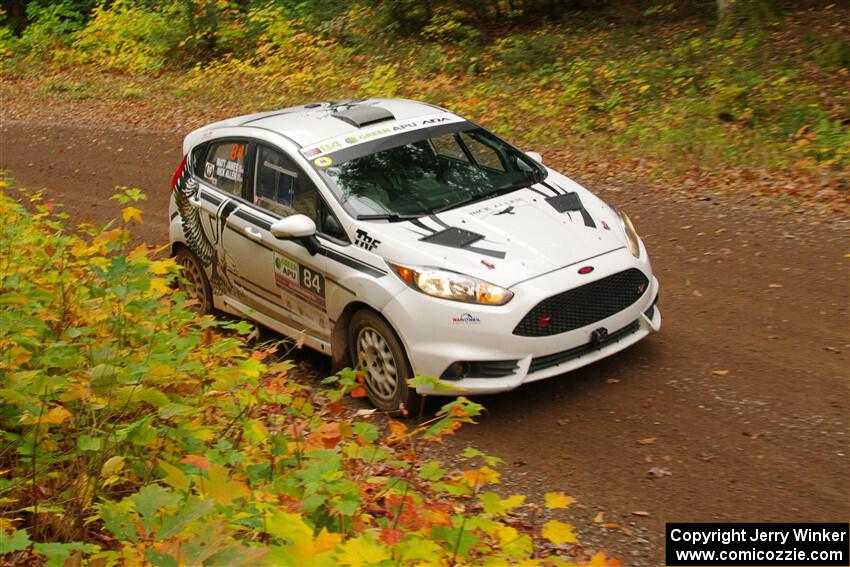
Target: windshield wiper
(482, 196)
(392, 217)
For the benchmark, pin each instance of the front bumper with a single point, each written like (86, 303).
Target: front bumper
(438, 333)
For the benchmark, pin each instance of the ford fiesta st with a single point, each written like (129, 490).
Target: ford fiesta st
(405, 239)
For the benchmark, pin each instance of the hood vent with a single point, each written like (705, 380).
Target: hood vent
(359, 116)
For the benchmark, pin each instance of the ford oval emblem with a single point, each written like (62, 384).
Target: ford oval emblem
(585, 270)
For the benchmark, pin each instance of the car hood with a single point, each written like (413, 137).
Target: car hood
(524, 235)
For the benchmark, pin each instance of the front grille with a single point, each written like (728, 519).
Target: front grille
(583, 305)
(544, 362)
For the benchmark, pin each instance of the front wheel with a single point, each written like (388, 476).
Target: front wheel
(384, 362)
(194, 281)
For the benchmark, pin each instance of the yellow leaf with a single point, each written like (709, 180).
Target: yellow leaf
(56, 415)
(720, 372)
(161, 267)
(325, 542)
(362, 551)
(112, 466)
(158, 286)
(131, 213)
(558, 500)
(559, 532)
(293, 529)
(99, 262)
(644, 88)
(221, 488)
(174, 476)
(481, 477)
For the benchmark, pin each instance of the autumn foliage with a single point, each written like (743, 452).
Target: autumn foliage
(135, 432)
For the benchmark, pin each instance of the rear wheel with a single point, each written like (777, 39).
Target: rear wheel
(194, 281)
(385, 364)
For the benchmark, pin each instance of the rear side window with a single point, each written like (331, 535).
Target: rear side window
(224, 167)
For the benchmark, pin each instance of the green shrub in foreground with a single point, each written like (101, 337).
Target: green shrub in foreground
(135, 432)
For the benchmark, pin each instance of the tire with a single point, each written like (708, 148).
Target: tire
(385, 362)
(194, 281)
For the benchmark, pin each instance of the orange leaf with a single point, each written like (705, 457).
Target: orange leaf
(358, 392)
(196, 461)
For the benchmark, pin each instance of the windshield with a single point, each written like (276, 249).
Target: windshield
(428, 170)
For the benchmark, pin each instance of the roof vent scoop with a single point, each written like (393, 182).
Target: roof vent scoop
(359, 116)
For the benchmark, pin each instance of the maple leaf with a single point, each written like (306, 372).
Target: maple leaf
(558, 500)
(221, 488)
(358, 392)
(362, 551)
(197, 461)
(130, 214)
(391, 536)
(499, 507)
(158, 286)
(480, 477)
(558, 532)
(161, 267)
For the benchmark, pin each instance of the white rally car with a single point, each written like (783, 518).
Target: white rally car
(401, 237)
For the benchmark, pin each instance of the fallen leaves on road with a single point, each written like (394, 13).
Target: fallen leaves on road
(599, 518)
(556, 500)
(720, 372)
(647, 441)
(832, 349)
(640, 513)
(613, 381)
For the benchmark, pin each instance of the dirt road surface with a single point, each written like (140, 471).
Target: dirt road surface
(741, 401)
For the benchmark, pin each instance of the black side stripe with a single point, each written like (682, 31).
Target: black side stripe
(485, 251)
(210, 198)
(438, 221)
(420, 224)
(551, 188)
(539, 192)
(352, 262)
(244, 215)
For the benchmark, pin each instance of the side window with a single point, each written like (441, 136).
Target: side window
(447, 145)
(483, 154)
(328, 224)
(281, 187)
(224, 167)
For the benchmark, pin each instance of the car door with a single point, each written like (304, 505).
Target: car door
(287, 282)
(219, 169)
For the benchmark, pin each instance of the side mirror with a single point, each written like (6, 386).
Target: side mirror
(293, 226)
(535, 156)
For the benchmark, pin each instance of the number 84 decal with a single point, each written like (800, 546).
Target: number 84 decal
(299, 280)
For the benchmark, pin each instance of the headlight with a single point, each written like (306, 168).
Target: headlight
(631, 233)
(451, 285)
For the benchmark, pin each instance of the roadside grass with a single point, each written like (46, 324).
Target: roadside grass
(134, 431)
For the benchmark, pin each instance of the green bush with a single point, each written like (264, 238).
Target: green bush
(50, 27)
(137, 432)
(129, 37)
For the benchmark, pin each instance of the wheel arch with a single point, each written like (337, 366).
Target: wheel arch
(340, 352)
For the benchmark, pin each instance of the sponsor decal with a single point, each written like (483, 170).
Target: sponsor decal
(209, 170)
(501, 208)
(334, 144)
(365, 241)
(324, 161)
(466, 319)
(303, 282)
(488, 265)
(605, 225)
